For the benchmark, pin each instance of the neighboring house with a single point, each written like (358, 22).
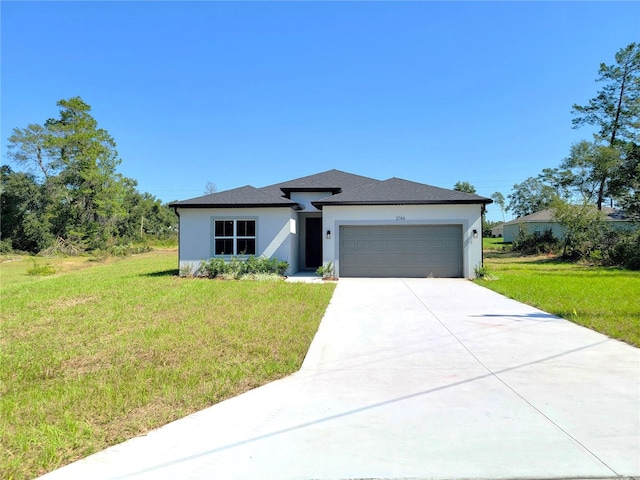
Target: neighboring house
(543, 220)
(497, 231)
(365, 227)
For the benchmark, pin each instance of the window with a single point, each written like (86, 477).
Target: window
(234, 237)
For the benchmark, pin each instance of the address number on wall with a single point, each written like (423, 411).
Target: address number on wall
(398, 217)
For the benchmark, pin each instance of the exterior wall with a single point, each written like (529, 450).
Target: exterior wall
(276, 234)
(497, 231)
(469, 216)
(511, 231)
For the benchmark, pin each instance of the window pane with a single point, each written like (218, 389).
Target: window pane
(242, 228)
(246, 228)
(246, 246)
(224, 228)
(224, 246)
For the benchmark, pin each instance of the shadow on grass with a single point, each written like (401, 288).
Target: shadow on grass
(523, 259)
(173, 272)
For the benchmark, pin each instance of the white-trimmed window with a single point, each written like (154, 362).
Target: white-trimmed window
(234, 237)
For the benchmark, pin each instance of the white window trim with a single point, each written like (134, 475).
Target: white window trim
(234, 237)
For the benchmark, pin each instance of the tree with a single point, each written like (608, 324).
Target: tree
(530, 196)
(616, 108)
(562, 180)
(592, 167)
(28, 147)
(582, 225)
(499, 200)
(615, 111)
(86, 158)
(146, 215)
(625, 184)
(465, 187)
(23, 211)
(72, 189)
(210, 188)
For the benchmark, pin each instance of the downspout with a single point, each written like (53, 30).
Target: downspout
(482, 211)
(175, 210)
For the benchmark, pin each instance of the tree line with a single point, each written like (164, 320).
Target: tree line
(70, 191)
(597, 173)
(603, 171)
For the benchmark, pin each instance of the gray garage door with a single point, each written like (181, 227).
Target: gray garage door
(401, 251)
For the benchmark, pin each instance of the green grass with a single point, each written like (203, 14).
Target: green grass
(101, 352)
(604, 299)
(497, 243)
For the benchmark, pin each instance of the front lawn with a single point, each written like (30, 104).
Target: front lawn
(603, 299)
(102, 352)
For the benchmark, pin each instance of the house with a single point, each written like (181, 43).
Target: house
(540, 222)
(497, 231)
(365, 227)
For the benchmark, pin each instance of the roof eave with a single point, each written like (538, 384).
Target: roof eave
(320, 204)
(334, 190)
(295, 206)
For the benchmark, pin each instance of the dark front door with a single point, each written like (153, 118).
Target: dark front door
(313, 242)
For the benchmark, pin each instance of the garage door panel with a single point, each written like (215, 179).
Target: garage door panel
(401, 251)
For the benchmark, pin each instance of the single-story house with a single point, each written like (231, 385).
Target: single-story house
(540, 222)
(363, 226)
(497, 231)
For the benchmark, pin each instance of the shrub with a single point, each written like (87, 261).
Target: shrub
(482, 272)
(40, 270)
(532, 243)
(215, 267)
(626, 251)
(6, 246)
(237, 267)
(326, 270)
(128, 249)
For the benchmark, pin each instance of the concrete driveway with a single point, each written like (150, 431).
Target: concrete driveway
(414, 378)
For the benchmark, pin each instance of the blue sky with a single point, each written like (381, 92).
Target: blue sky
(240, 93)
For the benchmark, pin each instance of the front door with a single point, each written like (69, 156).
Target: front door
(313, 242)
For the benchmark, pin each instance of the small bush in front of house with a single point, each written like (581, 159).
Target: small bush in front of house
(237, 267)
(326, 271)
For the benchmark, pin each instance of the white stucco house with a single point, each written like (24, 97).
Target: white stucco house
(539, 222)
(365, 227)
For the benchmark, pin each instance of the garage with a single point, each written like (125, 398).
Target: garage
(401, 251)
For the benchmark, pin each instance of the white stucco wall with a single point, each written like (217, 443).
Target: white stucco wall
(511, 231)
(276, 233)
(469, 216)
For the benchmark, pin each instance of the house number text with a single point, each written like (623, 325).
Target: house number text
(398, 217)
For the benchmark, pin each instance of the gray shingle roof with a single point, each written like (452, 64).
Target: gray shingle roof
(349, 189)
(546, 216)
(246, 196)
(397, 191)
(331, 180)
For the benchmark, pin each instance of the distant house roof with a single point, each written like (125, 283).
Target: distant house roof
(546, 216)
(345, 188)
